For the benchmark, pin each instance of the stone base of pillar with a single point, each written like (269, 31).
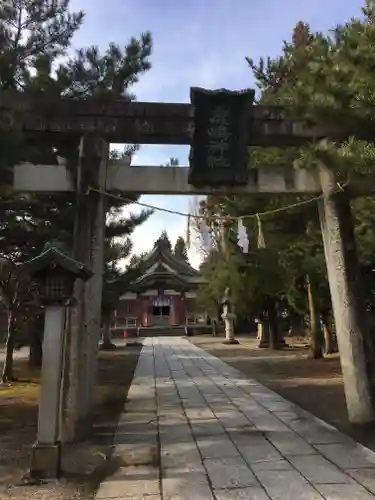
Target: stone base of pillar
(107, 346)
(230, 341)
(45, 461)
(78, 431)
(263, 344)
(84, 427)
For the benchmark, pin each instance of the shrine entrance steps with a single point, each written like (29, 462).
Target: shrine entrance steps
(158, 331)
(195, 428)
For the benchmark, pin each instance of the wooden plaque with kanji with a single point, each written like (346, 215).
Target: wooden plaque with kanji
(219, 150)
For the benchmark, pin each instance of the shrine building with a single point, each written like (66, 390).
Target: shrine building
(163, 296)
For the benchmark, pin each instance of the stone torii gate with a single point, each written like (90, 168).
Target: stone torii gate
(160, 123)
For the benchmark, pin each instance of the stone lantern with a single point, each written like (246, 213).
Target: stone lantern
(55, 273)
(228, 317)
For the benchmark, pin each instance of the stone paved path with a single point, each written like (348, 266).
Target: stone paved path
(195, 429)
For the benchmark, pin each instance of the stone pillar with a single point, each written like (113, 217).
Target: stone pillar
(144, 313)
(263, 333)
(75, 352)
(259, 329)
(139, 310)
(84, 321)
(171, 319)
(348, 307)
(46, 452)
(180, 310)
(282, 342)
(229, 318)
(94, 287)
(174, 316)
(147, 305)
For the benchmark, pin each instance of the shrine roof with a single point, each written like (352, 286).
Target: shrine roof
(161, 263)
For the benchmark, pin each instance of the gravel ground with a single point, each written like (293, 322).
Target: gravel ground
(84, 464)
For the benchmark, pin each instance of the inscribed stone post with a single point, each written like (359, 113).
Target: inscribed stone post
(46, 452)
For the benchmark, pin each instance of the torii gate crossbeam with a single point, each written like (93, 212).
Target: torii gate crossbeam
(174, 181)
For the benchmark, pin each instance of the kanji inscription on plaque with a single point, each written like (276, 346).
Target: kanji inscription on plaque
(219, 137)
(219, 154)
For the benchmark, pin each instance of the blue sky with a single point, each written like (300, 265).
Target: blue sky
(198, 43)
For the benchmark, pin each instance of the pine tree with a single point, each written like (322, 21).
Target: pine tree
(328, 80)
(165, 241)
(180, 249)
(172, 162)
(18, 293)
(325, 79)
(27, 54)
(33, 35)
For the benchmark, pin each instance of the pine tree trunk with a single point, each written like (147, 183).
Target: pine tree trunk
(316, 335)
(328, 335)
(273, 325)
(7, 374)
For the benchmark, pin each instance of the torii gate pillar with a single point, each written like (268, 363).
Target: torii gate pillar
(353, 335)
(85, 320)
